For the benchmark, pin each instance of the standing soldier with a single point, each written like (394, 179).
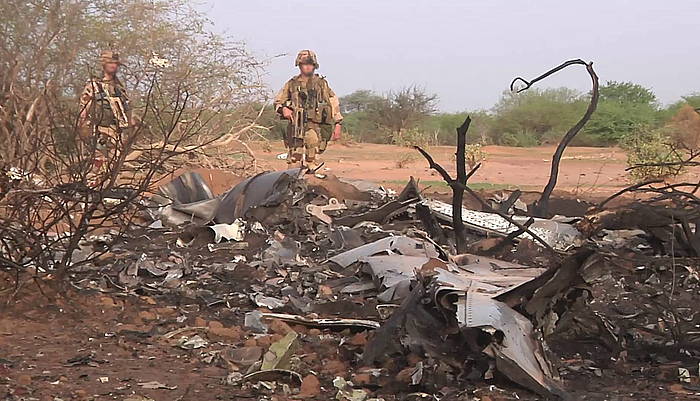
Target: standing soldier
(104, 110)
(313, 111)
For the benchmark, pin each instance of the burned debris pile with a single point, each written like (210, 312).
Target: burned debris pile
(347, 287)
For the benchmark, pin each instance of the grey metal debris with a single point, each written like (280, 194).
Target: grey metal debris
(560, 236)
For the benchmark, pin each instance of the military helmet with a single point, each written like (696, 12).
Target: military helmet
(306, 57)
(109, 56)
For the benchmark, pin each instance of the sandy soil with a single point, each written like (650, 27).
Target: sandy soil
(583, 169)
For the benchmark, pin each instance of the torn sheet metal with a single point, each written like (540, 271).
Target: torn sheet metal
(388, 211)
(390, 245)
(283, 251)
(517, 353)
(191, 200)
(260, 191)
(189, 187)
(560, 236)
(322, 323)
(495, 272)
(230, 232)
(392, 262)
(187, 198)
(393, 274)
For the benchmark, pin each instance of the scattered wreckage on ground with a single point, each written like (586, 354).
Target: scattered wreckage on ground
(451, 319)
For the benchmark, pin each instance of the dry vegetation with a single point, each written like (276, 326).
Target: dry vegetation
(192, 93)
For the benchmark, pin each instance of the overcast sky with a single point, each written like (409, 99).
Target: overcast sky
(468, 51)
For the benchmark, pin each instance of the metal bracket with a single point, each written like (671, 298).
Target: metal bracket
(318, 211)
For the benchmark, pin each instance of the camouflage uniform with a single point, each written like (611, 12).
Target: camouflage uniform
(321, 110)
(106, 106)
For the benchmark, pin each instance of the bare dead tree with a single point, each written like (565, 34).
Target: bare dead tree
(459, 186)
(541, 207)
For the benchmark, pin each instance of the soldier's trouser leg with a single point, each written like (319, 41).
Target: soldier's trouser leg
(105, 150)
(292, 144)
(311, 141)
(326, 133)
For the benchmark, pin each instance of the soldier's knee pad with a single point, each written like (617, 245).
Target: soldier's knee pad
(311, 138)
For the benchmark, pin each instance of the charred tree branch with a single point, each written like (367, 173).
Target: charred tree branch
(541, 207)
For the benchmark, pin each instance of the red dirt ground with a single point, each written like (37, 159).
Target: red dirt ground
(583, 169)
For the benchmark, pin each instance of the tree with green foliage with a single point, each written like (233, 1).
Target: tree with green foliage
(402, 110)
(624, 109)
(359, 101)
(626, 93)
(535, 117)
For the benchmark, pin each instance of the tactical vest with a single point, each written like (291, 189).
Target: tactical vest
(103, 114)
(314, 97)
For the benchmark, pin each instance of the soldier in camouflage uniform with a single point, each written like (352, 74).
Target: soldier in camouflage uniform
(104, 109)
(313, 111)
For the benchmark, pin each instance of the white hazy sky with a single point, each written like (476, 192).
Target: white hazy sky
(468, 51)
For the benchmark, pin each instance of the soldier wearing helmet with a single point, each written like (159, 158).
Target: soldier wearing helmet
(104, 108)
(313, 111)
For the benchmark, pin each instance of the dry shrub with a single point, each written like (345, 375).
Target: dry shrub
(474, 154)
(405, 159)
(192, 93)
(684, 128)
(651, 155)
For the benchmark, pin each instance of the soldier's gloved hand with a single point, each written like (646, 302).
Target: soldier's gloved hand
(287, 113)
(336, 132)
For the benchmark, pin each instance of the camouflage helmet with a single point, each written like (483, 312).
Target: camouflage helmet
(109, 56)
(306, 57)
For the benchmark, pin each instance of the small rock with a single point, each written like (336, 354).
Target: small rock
(362, 379)
(166, 311)
(231, 334)
(215, 325)
(334, 367)
(325, 291)
(24, 380)
(310, 386)
(147, 315)
(280, 327)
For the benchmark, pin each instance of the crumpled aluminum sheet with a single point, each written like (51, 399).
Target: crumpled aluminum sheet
(191, 199)
(390, 245)
(264, 189)
(496, 272)
(519, 356)
(189, 187)
(560, 236)
(392, 262)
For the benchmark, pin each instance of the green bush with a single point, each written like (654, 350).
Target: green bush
(522, 139)
(651, 147)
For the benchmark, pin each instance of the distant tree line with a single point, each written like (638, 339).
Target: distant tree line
(532, 118)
